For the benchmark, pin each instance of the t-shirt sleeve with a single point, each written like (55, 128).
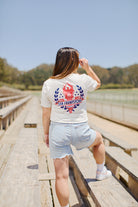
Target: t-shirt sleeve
(45, 102)
(90, 83)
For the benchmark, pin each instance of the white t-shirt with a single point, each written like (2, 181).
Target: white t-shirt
(67, 97)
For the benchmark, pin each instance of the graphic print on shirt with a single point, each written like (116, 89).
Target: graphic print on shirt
(69, 98)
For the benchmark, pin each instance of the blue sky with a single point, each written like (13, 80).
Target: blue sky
(104, 31)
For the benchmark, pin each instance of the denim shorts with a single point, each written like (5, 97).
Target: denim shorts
(63, 135)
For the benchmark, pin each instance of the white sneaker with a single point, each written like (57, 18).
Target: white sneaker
(101, 175)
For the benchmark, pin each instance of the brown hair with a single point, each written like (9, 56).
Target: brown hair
(67, 60)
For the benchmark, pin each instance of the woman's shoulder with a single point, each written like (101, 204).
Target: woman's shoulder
(81, 76)
(48, 81)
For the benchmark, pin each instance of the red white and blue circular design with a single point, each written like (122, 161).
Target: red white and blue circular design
(69, 98)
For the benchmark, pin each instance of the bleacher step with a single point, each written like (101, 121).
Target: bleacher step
(114, 141)
(19, 185)
(104, 193)
(124, 167)
(2, 133)
(32, 117)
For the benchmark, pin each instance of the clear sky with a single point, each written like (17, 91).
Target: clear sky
(104, 31)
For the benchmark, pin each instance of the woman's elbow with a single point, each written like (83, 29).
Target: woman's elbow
(98, 85)
(46, 111)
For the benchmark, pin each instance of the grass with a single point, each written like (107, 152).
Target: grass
(35, 93)
(121, 96)
(133, 90)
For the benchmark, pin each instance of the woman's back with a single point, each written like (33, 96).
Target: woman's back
(67, 97)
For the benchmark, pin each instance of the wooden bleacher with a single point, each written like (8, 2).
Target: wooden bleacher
(32, 116)
(111, 140)
(124, 167)
(9, 113)
(19, 178)
(27, 176)
(22, 169)
(1, 133)
(7, 100)
(104, 193)
(8, 92)
(19, 182)
(10, 137)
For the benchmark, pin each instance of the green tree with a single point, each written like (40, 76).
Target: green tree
(2, 71)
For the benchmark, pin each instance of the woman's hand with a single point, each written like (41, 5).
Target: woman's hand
(46, 139)
(84, 63)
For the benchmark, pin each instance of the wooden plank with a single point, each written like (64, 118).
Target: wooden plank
(75, 197)
(46, 176)
(19, 182)
(12, 133)
(5, 150)
(105, 193)
(21, 196)
(52, 170)
(7, 110)
(2, 133)
(117, 157)
(45, 185)
(126, 162)
(45, 188)
(11, 98)
(73, 200)
(114, 140)
(10, 137)
(32, 117)
(8, 114)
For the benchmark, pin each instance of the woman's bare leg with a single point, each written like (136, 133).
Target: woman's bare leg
(61, 184)
(98, 149)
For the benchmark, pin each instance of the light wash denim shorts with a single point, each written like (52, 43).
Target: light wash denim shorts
(63, 135)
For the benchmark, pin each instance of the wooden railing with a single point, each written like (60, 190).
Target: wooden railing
(9, 113)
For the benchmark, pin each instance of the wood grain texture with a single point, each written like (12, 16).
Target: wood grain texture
(75, 197)
(52, 170)
(10, 136)
(126, 162)
(105, 193)
(45, 188)
(46, 176)
(32, 116)
(113, 140)
(2, 133)
(19, 185)
(118, 158)
(5, 150)
(11, 98)
(7, 110)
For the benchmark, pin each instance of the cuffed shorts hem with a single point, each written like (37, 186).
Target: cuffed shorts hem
(60, 157)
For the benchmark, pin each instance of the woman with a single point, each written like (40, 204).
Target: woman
(64, 104)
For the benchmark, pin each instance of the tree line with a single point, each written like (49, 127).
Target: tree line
(114, 77)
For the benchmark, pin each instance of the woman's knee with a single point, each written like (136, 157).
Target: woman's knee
(98, 140)
(62, 175)
(61, 168)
